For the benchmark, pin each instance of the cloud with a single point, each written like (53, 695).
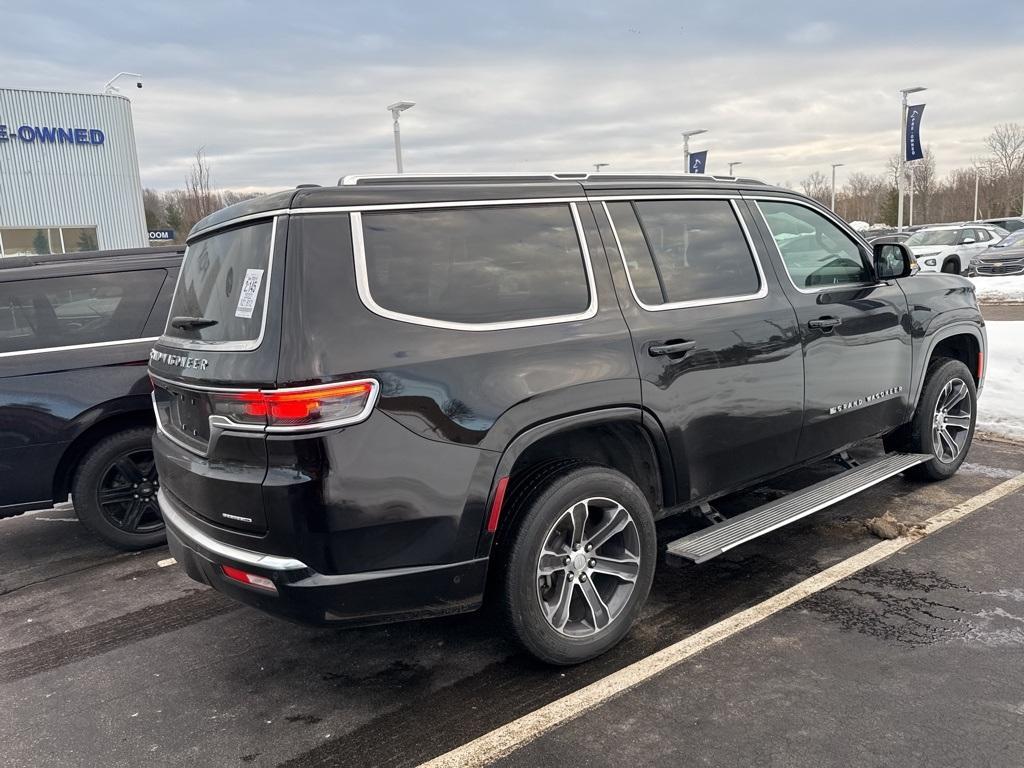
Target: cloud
(279, 99)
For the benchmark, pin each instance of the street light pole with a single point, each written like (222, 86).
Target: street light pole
(910, 175)
(599, 166)
(396, 109)
(977, 184)
(686, 146)
(733, 165)
(834, 166)
(903, 153)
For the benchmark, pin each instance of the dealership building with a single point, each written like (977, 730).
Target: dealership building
(69, 173)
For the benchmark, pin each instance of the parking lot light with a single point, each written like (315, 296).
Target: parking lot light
(834, 166)
(397, 109)
(733, 165)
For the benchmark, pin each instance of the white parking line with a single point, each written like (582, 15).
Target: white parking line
(501, 741)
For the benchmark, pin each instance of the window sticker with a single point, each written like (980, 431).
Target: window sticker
(250, 289)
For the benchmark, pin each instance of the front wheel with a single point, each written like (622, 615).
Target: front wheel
(943, 424)
(580, 564)
(951, 266)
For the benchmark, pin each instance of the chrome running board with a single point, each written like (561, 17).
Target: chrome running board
(715, 539)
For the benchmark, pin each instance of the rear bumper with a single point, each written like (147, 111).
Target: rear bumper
(303, 595)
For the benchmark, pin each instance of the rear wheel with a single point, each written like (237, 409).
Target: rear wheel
(943, 424)
(580, 564)
(114, 491)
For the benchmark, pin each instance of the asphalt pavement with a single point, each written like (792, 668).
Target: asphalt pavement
(110, 659)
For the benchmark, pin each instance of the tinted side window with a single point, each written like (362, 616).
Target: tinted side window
(814, 250)
(685, 250)
(476, 265)
(80, 309)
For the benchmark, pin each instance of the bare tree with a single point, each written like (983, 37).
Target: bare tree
(818, 186)
(1006, 143)
(199, 199)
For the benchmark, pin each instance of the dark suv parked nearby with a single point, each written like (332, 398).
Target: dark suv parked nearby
(75, 414)
(385, 399)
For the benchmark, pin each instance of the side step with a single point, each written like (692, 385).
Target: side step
(715, 539)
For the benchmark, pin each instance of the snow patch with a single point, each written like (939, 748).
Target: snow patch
(1008, 289)
(1001, 407)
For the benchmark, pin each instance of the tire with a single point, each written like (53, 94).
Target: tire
(951, 266)
(114, 491)
(550, 605)
(945, 377)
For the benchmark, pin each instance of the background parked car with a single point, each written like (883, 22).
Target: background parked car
(1004, 258)
(951, 247)
(1010, 224)
(75, 410)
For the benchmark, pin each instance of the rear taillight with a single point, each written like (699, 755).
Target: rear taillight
(326, 405)
(251, 579)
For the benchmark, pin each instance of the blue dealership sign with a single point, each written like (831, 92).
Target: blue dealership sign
(913, 149)
(697, 161)
(35, 134)
(161, 235)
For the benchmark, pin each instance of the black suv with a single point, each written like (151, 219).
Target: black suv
(75, 416)
(383, 399)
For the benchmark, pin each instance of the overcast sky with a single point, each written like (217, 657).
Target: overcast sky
(287, 93)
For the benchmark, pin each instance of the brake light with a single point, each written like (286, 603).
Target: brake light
(313, 407)
(251, 579)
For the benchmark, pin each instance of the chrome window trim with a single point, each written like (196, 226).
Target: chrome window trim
(363, 287)
(195, 536)
(451, 204)
(90, 345)
(761, 293)
(840, 224)
(229, 346)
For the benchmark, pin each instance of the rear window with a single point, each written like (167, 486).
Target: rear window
(475, 266)
(83, 309)
(684, 250)
(223, 286)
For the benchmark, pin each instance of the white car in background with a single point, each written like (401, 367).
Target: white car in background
(952, 247)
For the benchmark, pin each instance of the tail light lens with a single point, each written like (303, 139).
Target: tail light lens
(327, 405)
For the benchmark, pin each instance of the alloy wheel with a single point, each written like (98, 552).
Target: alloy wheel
(588, 567)
(951, 423)
(127, 493)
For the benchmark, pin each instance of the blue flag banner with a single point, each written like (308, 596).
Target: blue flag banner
(913, 149)
(697, 161)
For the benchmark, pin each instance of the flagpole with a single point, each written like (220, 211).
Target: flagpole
(901, 169)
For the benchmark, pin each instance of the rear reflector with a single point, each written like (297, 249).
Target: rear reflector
(981, 366)
(301, 408)
(261, 582)
(499, 499)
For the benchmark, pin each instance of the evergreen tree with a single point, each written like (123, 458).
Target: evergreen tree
(40, 243)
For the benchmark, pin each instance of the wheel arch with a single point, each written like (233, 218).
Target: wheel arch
(96, 425)
(622, 438)
(962, 341)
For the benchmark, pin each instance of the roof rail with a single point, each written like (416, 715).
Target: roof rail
(39, 259)
(519, 176)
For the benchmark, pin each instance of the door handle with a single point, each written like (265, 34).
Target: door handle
(825, 324)
(671, 348)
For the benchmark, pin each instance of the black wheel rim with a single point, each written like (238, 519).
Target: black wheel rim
(127, 493)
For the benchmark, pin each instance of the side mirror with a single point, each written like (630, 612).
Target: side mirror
(893, 260)
(968, 240)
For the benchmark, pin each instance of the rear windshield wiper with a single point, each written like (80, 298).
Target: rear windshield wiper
(192, 323)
